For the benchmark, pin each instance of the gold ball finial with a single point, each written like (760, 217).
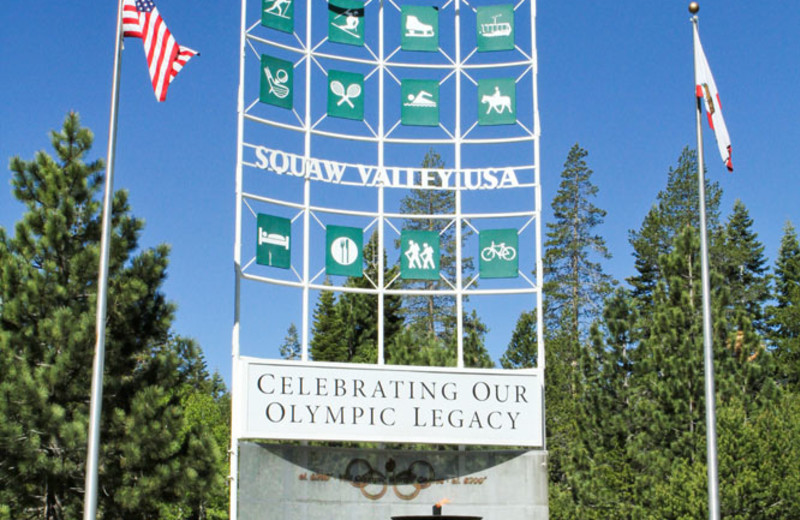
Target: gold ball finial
(694, 7)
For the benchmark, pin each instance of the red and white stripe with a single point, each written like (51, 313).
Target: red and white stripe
(165, 58)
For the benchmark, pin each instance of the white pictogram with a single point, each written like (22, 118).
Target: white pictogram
(276, 239)
(500, 251)
(497, 102)
(350, 25)
(279, 8)
(421, 99)
(427, 257)
(412, 253)
(419, 259)
(495, 28)
(417, 29)
(344, 250)
(276, 82)
(353, 91)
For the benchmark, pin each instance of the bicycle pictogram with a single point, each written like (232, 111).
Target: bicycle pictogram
(501, 251)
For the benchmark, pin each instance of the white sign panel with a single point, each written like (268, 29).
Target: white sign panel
(331, 401)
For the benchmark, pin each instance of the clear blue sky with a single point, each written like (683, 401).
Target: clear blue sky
(615, 77)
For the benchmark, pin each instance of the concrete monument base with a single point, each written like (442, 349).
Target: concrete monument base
(281, 482)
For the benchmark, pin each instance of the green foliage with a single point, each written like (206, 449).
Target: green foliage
(743, 265)
(432, 313)
(784, 315)
(575, 287)
(358, 312)
(418, 330)
(757, 462)
(626, 411)
(346, 329)
(575, 283)
(475, 353)
(677, 206)
(291, 347)
(416, 347)
(154, 457)
(522, 349)
(326, 344)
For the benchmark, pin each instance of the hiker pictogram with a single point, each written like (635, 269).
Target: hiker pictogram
(420, 255)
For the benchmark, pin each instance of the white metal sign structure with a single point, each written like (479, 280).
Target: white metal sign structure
(339, 101)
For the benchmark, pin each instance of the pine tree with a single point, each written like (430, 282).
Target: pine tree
(574, 287)
(291, 348)
(744, 267)
(326, 341)
(522, 348)
(434, 314)
(358, 312)
(784, 315)
(668, 385)
(575, 283)
(677, 206)
(174, 465)
(412, 346)
(668, 371)
(475, 353)
(599, 467)
(415, 347)
(152, 460)
(758, 453)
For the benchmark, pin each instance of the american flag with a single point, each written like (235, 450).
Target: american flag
(165, 58)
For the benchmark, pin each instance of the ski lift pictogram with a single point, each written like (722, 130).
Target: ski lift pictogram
(495, 28)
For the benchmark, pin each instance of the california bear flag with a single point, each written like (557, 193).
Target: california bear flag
(706, 88)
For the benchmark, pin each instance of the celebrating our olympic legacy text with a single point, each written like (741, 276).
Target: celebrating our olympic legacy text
(331, 401)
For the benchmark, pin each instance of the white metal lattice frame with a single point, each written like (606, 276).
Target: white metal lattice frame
(457, 68)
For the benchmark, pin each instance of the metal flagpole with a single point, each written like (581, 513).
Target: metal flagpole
(93, 449)
(708, 352)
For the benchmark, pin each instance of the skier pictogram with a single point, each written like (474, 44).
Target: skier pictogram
(351, 22)
(279, 8)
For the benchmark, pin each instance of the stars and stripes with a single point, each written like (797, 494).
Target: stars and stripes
(706, 89)
(165, 58)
